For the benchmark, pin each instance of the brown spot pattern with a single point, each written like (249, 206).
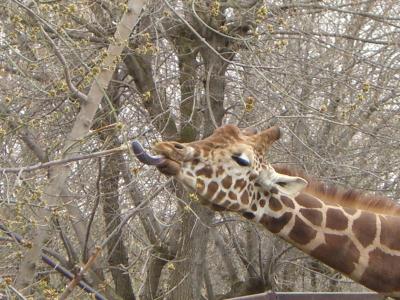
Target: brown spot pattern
(252, 177)
(339, 252)
(274, 190)
(232, 196)
(301, 233)
(227, 182)
(226, 203)
(217, 207)
(262, 202)
(390, 231)
(245, 197)
(220, 171)
(350, 210)
(211, 190)
(240, 184)
(382, 274)
(248, 215)
(364, 228)
(287, 201)
(336, 219)
(308, 201)
(221, 196)
(254, 207)
(206, 171)
(275, 224)
(275, 204)
(312, 215)
(234, 206)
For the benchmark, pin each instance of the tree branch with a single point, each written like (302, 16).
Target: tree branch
(20, 240)
(19, 170)
(63, 62)
(78, 277)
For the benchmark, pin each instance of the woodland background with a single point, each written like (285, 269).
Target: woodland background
(326, 72)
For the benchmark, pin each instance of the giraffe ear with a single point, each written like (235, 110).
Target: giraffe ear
(290, 185)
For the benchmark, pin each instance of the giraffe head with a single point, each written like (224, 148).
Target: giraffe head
(228, 169)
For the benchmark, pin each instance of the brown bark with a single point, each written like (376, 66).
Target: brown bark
(157, 261)
(155, 102)
(117, 258)
(117, 252)
(161, 253)
(186, 281)
(189, 106)
(226, 256)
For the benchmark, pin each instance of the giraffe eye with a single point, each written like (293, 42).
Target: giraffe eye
(241, 159)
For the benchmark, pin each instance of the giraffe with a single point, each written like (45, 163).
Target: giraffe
(355, 234)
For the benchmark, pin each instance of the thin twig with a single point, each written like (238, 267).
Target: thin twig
(60, 269)
(132, 213)
(210, 109)
(203, 40)
(18, 293)
(63, 62)
(316, 272)
(20, 296)
(63, 161)
(93, 213)
(241, 39)
(79, 275)
(72, 257)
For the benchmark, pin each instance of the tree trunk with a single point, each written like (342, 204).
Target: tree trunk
(110, 176)
(117, 253)
(186, 281)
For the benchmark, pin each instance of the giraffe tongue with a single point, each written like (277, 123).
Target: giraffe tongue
(145, 157)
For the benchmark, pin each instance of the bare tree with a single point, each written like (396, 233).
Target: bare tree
(79, 81)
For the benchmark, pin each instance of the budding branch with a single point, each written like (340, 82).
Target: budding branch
(52, 163)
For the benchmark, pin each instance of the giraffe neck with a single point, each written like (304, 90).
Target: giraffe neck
(360, 244)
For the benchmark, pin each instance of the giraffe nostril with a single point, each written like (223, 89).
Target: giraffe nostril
(178, 146)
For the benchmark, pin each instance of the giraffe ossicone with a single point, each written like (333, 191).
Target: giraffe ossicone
(357, 235)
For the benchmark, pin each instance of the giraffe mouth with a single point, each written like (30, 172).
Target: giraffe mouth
(164, 163)
(171, 164)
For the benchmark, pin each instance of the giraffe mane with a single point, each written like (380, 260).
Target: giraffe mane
(335, 194)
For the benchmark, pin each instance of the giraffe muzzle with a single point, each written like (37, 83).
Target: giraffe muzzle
(145, 157)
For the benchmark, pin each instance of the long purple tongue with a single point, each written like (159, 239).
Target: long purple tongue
(144, 157)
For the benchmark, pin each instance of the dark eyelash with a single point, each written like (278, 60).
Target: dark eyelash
(241, 161)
